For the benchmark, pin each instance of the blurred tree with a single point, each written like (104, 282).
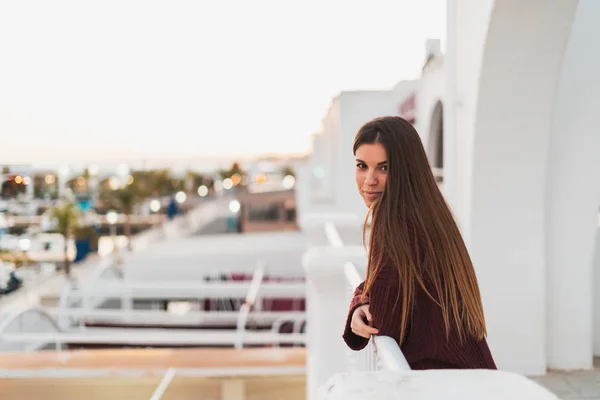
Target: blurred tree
(194, 180)
(124, 200)
(78, 185)
(235, 169)
(288, 170)
(66, 216)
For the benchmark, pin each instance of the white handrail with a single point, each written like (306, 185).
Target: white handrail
(333, 236)
(168, 317)
(389, 354)
(352, 275)
(157, 337)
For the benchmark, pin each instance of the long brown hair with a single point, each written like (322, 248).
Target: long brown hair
(414, 232)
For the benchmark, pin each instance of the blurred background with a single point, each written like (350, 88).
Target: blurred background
(178, 212)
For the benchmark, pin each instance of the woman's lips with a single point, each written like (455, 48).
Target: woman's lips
(372, 195)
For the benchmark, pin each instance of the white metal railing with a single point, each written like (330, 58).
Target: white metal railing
(17, 317)
(382, 352)
(250, 301)
(257, 279)
(154, 337)
(333, 270)
(170, 318)
(106, 268)
(163, 384)
(156, 290)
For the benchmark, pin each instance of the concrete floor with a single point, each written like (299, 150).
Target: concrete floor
(574, 385)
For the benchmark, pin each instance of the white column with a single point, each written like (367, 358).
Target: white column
(573, 196)
(506, 168)
(327, 308)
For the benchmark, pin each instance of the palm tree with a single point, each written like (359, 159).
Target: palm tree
(124, 200)
(67, 219)
(288, 170)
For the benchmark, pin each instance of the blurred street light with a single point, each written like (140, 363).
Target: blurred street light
(113, 183)
(155, 206)
(180, 197)
(289, 181)
(25, 244)
(112, 217)
(202, 191)
(234, 206)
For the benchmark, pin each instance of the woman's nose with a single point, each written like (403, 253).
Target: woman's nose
(371, 179)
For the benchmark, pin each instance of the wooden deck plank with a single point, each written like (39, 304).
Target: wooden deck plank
(145, 359)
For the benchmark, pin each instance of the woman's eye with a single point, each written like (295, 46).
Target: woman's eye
(384, 168)
(361, 166)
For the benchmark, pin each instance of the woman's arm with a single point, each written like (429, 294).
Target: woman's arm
(354, 341)
(385, 303)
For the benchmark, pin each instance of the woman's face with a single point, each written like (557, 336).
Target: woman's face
(371, 171)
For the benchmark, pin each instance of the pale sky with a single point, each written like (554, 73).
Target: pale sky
(127, 79)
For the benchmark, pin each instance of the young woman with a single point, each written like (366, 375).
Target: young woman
(420, 287)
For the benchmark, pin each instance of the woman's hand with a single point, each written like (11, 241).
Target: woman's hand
(358, 325)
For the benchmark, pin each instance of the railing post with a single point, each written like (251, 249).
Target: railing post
(327, 307)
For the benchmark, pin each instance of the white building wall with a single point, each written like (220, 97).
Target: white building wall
(333, 148)
(596, 298)
(463, 65)
(317, 168)
(573, 197)
(329, 136)
(430, 91)
(504, 106)
(402, 91)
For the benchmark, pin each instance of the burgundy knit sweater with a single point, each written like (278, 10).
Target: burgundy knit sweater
(425, 346)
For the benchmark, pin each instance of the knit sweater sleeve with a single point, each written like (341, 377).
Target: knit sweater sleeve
(385, 304)
(354, 341)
